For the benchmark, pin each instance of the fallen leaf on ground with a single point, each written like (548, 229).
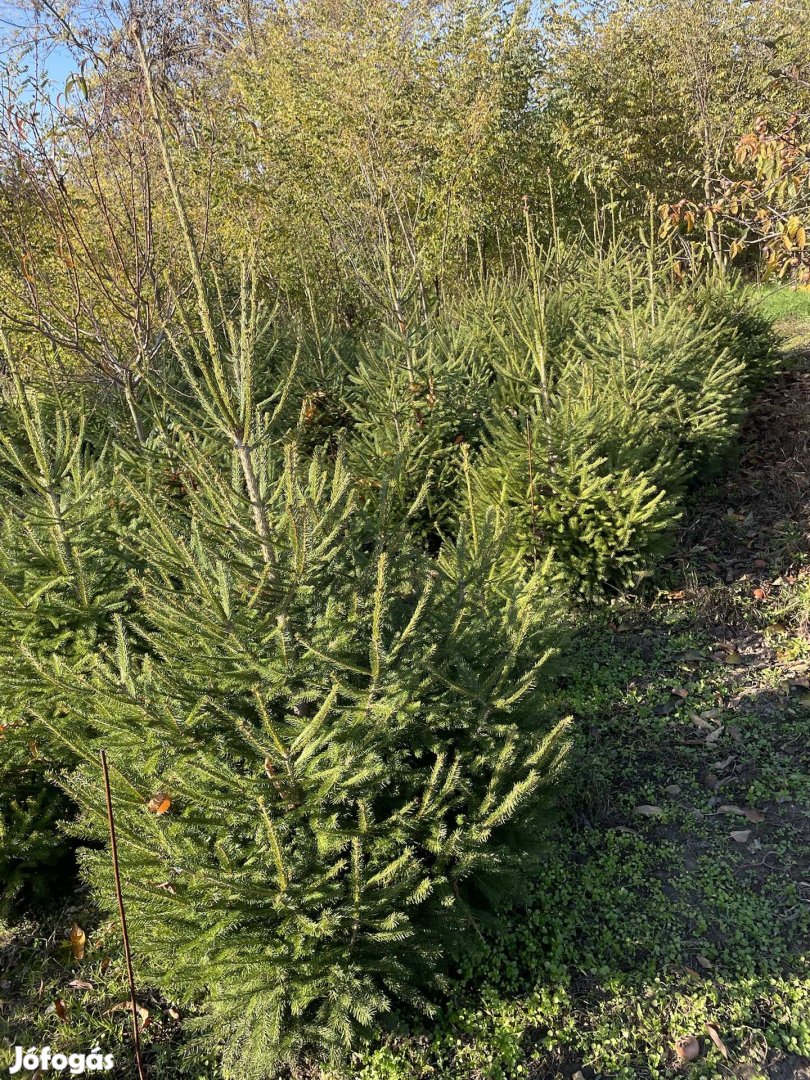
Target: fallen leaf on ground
(143, 1012)
(720, 766)
(80, 984)
(60, 1009)
(704, 962)
(718, 1042)
(648, 811)
(700, 723)
(714, 735)
(741, 836)
(666, 707)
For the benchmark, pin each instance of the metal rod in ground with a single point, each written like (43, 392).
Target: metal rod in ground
(124, 934)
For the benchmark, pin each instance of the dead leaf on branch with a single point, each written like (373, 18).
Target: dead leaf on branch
(159, 804)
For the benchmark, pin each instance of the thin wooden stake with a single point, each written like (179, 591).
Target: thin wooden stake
(532, 506)
(125, 935)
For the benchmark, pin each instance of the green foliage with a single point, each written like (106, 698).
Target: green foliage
(380, 362)
(327, 745)
(35, 861)
(343, 742)
(745, 326)
(61, 579)
(413, 403)
(613, 400)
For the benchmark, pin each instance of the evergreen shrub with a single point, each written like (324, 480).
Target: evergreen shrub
(315, 760)
(62, 577)
(594, 443)
(326, 744)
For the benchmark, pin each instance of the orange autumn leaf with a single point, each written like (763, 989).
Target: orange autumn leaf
(159, 803)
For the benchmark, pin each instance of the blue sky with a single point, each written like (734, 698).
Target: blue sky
(55, 59)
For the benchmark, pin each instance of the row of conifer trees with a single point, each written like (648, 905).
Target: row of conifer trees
(309, 606)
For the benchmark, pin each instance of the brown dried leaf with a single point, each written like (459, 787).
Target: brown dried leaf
(718, 1042)
(720, 766)
(741, 836)
(713, 736)
(60, 1009)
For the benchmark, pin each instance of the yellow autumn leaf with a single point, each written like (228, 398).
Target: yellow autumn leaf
(77, 941)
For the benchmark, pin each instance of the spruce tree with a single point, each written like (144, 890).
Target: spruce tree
(62, 576)
(324, 742)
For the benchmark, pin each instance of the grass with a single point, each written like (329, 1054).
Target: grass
(659, 909)
(789, 307)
